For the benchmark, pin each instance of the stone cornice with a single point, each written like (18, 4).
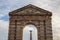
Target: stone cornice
(32, 7)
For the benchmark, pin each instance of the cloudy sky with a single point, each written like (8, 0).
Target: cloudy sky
(9, 5)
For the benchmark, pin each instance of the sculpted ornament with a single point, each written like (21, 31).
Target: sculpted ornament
(29, 11)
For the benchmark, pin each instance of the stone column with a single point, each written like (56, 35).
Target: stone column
(11, 30)
(48, 27)
(30, 34)
(42, 31)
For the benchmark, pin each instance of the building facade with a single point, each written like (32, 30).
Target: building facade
(30, 14)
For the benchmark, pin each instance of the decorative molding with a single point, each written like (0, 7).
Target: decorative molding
(30, 10)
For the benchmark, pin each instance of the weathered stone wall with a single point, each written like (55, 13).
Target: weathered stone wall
(42, 23)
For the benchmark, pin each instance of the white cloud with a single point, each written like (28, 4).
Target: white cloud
(4, 24)
(56, 26)
(3, 30)
(4, 12)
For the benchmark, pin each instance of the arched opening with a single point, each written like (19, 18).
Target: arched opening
(30, 32)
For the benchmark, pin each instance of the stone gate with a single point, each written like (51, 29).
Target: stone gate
(30, 14)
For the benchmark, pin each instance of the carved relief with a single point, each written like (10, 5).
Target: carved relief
(29, 11)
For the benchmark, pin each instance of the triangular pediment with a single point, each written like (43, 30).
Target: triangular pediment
(30, 10)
